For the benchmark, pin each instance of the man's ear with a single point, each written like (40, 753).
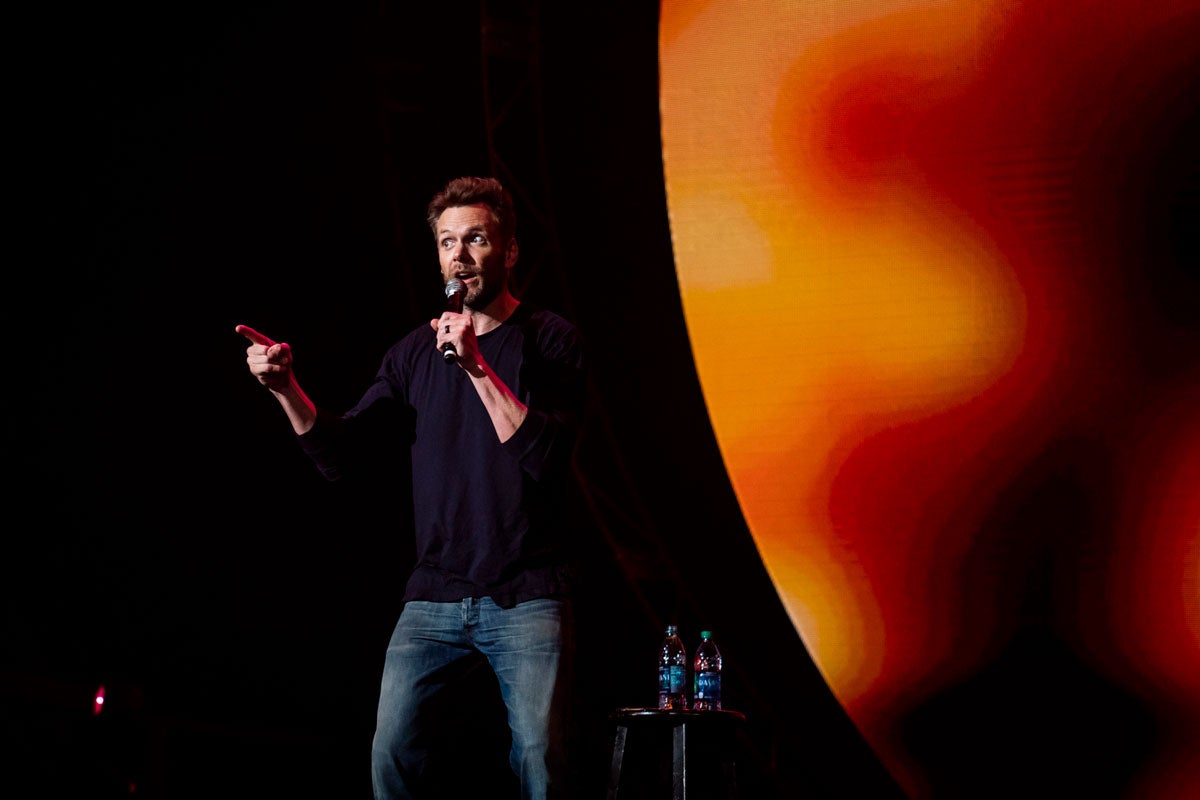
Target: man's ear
(510, 255)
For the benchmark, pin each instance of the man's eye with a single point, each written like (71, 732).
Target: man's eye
(478, 239)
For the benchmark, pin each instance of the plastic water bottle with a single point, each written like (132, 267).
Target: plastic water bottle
(707, 670)
(672, 672)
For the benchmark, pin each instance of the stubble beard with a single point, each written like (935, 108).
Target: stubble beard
(482, 298)
(489, 285)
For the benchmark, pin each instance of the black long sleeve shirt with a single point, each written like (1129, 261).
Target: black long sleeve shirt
(489, 517)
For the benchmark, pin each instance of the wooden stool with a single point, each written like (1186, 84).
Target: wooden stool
(682, 755)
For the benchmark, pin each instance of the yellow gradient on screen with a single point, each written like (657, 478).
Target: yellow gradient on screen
(813, 319)
(884, 221)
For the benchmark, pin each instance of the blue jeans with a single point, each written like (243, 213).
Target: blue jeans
(528, 648)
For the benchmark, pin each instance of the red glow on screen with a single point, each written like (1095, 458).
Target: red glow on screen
(980, 449)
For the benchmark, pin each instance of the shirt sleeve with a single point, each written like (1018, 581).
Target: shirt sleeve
(544, 444)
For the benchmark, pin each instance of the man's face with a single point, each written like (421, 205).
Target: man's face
(470, 249)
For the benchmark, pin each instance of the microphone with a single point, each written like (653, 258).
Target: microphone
(455, 289)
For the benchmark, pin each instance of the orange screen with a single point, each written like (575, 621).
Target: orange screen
(937, 263)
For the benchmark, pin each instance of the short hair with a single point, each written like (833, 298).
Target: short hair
(468, 191)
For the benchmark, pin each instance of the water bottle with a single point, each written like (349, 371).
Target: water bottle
(672, 672)
(707, 670)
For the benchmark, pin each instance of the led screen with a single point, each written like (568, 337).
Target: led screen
(939, 268)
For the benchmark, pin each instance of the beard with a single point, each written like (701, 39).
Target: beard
(487, 289)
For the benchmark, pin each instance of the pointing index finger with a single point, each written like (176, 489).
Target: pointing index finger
(253, 335)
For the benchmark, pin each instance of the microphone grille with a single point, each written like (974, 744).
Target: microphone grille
(454, 286)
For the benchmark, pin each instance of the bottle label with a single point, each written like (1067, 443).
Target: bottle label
(708, 685)
(672, 679)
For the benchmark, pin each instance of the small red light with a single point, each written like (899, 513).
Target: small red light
(98, 702)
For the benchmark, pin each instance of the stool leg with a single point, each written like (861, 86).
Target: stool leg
(679, 761)
(729, 774)
(618, 755)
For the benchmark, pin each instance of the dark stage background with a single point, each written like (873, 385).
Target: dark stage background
(197, 167)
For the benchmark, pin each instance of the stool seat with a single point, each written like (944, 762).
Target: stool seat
(668, 753)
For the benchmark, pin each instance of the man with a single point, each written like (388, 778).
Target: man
(491, 433)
